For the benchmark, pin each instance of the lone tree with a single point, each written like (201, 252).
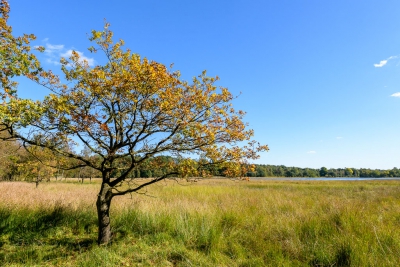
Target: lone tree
(125, 112)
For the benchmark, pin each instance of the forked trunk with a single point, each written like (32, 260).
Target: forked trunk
(103, 213)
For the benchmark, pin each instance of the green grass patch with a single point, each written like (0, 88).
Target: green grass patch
(271, 223)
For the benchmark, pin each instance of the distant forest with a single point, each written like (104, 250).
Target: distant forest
(283, 171)
(16, 164)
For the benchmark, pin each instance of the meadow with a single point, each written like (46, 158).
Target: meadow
(204, 223)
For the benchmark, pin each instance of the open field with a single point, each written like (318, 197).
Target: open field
(208, 223)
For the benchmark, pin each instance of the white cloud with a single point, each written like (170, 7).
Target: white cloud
(384, 62)
(311, 152)
(396, 94)
(380, 64)
(68, 54)
(339, 137)
(54, 52)
(51, 61)
(51, 48)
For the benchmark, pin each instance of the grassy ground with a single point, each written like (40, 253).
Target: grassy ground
(208, 223)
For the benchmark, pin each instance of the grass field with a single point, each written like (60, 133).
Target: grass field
(208, 223)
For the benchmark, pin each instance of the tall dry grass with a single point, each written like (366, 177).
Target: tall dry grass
(208, 223)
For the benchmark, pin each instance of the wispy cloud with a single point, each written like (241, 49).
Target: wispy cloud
(82, 58)
(311, 152)
(53, 48)
(339, 137)
(54, 52)
(381, 64)
(384, 62)
(396, 94)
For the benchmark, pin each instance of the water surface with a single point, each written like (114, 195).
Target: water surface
(322, 178)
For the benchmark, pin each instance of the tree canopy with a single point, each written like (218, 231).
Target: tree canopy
(128, 110)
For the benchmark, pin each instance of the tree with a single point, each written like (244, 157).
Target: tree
(323, 172)
(36, 166)
(261, 171)
(395, 172)
(348, 172)
(86, 172)
(311, 173)
(10, 154)
(129, 110)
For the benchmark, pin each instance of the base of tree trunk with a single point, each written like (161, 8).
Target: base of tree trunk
(103, 212)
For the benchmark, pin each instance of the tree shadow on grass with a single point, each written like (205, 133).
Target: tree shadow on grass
(35, 236)
(53, 250)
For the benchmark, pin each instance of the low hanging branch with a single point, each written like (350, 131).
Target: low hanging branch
(125, 112)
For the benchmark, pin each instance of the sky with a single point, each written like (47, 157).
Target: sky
(319, 79)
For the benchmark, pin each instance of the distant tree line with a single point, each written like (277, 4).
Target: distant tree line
(283, 171)
(18, 164)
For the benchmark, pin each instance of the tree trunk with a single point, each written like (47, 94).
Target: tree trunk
(37, 181)
(103, 213)
(79, 175)
(58, 171)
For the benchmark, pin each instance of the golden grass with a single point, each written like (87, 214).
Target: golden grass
(267, 197)
(274, 222)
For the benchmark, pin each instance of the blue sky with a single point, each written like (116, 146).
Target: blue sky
(319, 80)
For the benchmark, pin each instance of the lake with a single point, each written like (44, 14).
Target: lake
(322, 178)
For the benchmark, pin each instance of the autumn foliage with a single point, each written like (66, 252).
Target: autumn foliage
(130, 109)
